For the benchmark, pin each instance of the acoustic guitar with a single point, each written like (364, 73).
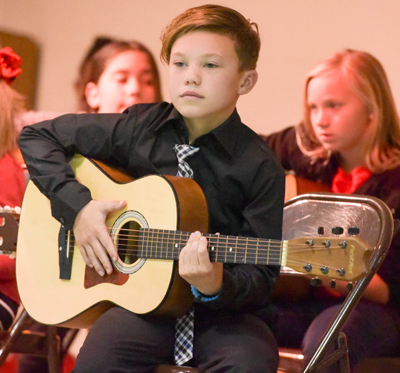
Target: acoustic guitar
(8, 231)
(56, 286)
(293, 287)
(295, 185)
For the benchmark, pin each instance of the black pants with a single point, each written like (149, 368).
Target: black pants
(121, 341)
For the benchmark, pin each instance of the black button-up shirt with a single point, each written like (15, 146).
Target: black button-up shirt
(238, 173)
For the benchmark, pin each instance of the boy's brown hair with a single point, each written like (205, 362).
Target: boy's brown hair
(220, 20)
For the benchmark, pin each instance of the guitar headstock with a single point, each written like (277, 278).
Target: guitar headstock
(9, 230)
(340, 258)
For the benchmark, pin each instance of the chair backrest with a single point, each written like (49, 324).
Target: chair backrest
(339, 215)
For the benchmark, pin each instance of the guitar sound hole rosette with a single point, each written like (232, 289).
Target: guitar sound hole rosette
(125, 235)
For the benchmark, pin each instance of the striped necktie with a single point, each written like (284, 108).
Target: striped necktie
(183, 153)
(184, 325)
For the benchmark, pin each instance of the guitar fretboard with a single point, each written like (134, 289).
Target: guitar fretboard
(167, 244)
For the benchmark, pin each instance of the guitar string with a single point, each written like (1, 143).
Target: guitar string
(260, 247)
(243, 243)
(253, 258)
(151, 235)
(260, 261)
(273, 248)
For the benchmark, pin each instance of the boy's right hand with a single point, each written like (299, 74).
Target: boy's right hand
(92, 236)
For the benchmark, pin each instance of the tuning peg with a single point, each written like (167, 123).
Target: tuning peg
(326, 243)
(324, 270)
(316, 282)
(349, 286)
(341, 271)
(332, 284)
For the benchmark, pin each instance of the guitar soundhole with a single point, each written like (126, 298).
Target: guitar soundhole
(127, 242)
(125, 234)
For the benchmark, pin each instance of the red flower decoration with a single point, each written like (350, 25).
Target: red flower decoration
(9, 64)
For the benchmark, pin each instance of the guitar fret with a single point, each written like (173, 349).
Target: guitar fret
(142, 238)
(226, 248)
(154, 244)
(246, 249)
(236, 251)
(162, 250)
(175, 246)
(241, 250)
(157, 248)
(256, 262)
(162, 245)
(150, 242)
(230, 252)
(252, 249)
(264, 253)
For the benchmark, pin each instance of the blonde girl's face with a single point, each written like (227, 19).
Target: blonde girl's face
(127, 80)
(341, 121)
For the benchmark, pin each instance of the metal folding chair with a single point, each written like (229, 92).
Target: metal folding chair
(339, 215)
(332, 215)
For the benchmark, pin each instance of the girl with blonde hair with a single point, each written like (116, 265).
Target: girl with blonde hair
(349, 139)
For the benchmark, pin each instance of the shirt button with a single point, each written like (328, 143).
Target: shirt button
(62, 221)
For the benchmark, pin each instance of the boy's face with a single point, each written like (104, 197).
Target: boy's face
(204, 78)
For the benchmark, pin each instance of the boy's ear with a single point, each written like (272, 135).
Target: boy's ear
(92, 95)
(249, 80)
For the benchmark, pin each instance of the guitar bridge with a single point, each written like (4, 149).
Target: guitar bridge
(65, 253)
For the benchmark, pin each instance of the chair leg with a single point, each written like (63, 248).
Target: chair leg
(343, 364)
(339, 357)
(16, 340)
(53, 350)
(67, 341)
(23, 322)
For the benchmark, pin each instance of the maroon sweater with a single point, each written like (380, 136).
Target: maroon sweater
(12, 184)
(385, 186)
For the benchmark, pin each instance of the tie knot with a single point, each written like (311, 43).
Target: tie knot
(183, 152)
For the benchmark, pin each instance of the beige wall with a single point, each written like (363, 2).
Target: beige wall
(295, 35)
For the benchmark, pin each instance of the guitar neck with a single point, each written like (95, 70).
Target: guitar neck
(167, 244)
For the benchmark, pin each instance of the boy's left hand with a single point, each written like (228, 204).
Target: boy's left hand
(197, 269)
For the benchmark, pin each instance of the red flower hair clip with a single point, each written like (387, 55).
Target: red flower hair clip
(9, 64)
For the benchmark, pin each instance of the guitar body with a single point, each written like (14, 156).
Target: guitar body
(296, 288)
(153, 286)
(295, 185)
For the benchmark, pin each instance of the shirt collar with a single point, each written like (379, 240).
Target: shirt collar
(225, 134)
(173, 116)
(228, 133)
